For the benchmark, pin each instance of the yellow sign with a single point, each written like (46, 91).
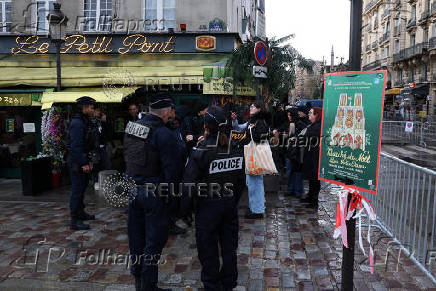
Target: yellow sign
(216, 87)
(205, 43)
(15, 100)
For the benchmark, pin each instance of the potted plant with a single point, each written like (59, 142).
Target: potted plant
(53, 141)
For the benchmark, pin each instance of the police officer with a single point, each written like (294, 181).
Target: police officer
(79, 162)
(214, 163)
(150, 159)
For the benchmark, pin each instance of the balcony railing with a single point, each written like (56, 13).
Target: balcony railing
(397, 30)
(386, 13)
(372, 66)
(411, 23)
(421, 48)
(385, 37)
(399, 56)
(371, 5)
(375, 44)
(410, 51)
(398, 83)
(432, 43)
(424, 16)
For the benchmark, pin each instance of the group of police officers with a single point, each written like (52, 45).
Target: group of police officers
(154, 154)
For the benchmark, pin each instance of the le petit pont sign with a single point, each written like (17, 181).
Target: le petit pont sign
(118, 44)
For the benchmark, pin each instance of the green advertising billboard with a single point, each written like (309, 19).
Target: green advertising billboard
(351, 129)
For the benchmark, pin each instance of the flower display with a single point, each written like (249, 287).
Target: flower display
(53, 137)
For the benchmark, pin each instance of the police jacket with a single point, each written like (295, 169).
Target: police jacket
(149, 151)
(79, 144)
(219, 169)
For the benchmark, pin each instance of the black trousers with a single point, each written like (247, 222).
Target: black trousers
(148, 233)
(216, 224)
(314, 188)
(79, 183)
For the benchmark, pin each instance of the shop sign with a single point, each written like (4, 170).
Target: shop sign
(217, 87)
(28, 127)
(16, 100)
(216, 25)
(77, 43)
(351, 128)
(205, 43)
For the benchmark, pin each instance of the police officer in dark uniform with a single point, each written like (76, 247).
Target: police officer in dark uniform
(220, 167)
(150, 159)
(79, 162)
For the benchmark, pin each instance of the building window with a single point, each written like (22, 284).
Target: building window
(414, 12)
(43, 8)
(424, 72)
(5, 16)
(160, 14)
(98, 15)
(425, 35)
(397, 46)
(412, 40)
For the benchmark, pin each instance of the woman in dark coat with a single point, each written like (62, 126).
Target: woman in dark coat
(257, 129)
(312, 139)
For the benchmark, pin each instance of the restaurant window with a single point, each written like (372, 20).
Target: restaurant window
(160, 14)
(98, 15)
(43, 8)
(5, 16)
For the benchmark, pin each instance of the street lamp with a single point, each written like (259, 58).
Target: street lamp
(58, 31)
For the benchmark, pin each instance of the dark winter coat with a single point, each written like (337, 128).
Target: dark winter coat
(260, 130)
(312, 139)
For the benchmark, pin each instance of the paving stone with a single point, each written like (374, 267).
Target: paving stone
(288, 280)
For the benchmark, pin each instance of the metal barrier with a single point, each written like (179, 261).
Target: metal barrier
(423, 134)
(406, 207)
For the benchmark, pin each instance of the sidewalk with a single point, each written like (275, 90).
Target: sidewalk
(291, 249)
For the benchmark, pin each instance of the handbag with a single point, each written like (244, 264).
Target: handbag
(258, 159)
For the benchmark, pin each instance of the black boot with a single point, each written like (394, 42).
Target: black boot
(138, 283)
(77, 224)
(151, 287)
(86, 216)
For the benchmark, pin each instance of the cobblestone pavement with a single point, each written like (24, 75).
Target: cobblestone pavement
(291, 249)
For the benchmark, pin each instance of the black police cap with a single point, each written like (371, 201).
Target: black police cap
(215, 116)
(161, 100)
(85, 100)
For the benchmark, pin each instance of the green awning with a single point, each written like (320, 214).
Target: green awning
(91, 70)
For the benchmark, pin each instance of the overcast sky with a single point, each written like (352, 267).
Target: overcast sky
(317, 25)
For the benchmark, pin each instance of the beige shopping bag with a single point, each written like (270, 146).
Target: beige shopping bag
(258, 159)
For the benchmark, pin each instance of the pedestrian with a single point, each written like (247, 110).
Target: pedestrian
(193, 123)
(150, 159)
(302, 113)
(133, 112)
(255, 129)
(174, 125)
(312, 139)
(293, 163)
(79, 162)
(216, 213)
